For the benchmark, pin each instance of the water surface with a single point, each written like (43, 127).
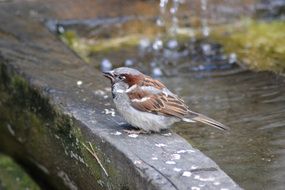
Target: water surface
(253, 106)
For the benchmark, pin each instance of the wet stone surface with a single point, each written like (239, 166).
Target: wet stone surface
(52, 105)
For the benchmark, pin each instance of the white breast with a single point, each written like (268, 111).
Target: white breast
(143, 120)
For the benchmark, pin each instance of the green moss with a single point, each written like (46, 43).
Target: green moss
(84, 47)
(261, 45)
(104, 47)
(32, 130)
(73, 41)
(115, 43)
(13, 177)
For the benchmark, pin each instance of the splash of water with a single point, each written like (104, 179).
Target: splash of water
(173, 11)
(204, 20)
(162, 7)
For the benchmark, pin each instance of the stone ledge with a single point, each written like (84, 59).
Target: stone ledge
(46, 116)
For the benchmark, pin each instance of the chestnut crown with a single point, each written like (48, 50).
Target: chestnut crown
(124, 74)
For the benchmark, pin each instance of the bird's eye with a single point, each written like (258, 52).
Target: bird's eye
(121, 77)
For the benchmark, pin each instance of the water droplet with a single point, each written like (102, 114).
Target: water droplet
(216, 183)
(144, 43)
(187, 174)
(117, 133)
(156, 72)
(175, 156)
(153, 64)
(106, 65)
(170, 162)
(163, 3)
(160, 22)
(133, 135)
(172, 44)
(137, 162)
(157, 44)
(60, 29)
(79, 83)
(110, 112)
(173, 10)
(128, 63)
(160, 145)
(206, 48)
(177, 169)
(206, 31)
(167, 134)
(204, 179)
(184, 151)
(232, 58)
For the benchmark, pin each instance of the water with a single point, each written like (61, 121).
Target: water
(253, 106)
(173, 11)
(204, 20)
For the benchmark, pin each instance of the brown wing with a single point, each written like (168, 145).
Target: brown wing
(151, 82)
(160, 103)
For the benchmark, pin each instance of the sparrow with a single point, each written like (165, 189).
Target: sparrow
(147, 104)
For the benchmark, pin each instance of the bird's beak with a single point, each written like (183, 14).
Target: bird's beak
(109, 75)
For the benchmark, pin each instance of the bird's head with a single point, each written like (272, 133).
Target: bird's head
(124, 75)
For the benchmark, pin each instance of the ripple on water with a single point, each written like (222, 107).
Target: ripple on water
(253, 106)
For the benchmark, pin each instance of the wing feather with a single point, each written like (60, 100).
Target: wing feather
(151, 82)
(160, 103)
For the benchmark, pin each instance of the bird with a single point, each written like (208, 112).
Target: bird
(148, 105)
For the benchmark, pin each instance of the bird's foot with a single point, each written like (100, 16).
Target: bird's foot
(140, 131)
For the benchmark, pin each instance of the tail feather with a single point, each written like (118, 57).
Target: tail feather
(206, 120)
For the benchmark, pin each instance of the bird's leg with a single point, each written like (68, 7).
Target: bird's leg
(140, 131)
